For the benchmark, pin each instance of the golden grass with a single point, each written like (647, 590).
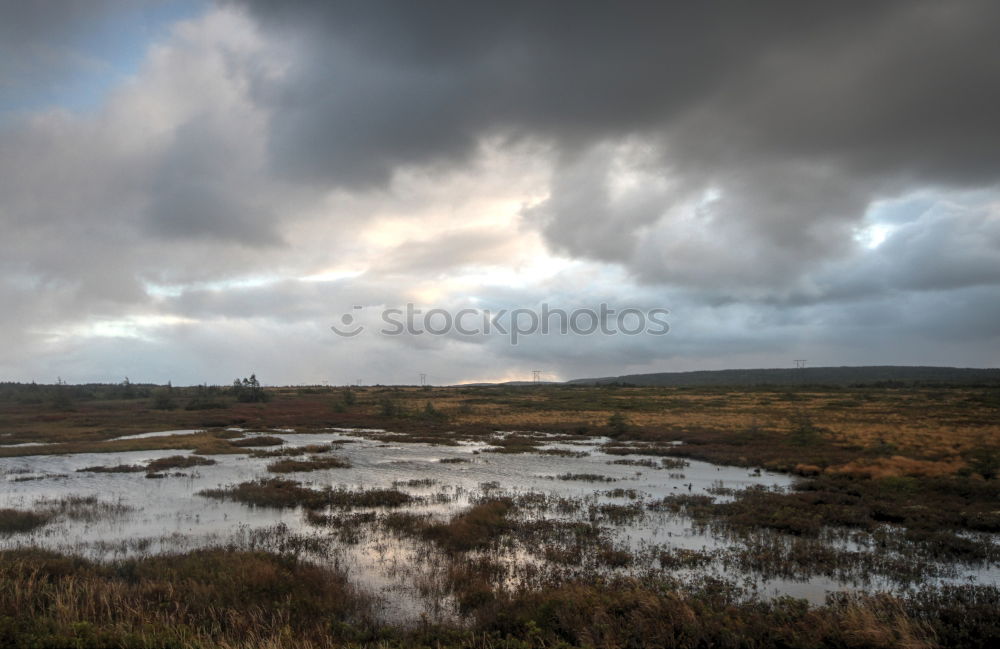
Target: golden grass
(932, 424)
(898, 466)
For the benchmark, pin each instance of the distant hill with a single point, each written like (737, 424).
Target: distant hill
(810, 375)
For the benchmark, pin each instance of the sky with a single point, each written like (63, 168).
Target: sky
(192, 191)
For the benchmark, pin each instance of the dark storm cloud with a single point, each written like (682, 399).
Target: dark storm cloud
(800, 114)
(379, 84)
(722, 160)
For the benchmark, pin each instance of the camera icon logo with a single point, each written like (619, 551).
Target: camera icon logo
(348, 328)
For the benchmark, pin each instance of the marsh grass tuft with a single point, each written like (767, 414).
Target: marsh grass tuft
(260, 440)
(17, 521)
(586, 477)
(119, 468)
(279, 492)
(205, 598)
(178, 462)
(312, 464)
(290, 451)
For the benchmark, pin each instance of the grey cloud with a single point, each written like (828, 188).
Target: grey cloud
(377, 85)
(203, 189)
(722, 153)
(945, 249)
(581, 217)
(877, 98)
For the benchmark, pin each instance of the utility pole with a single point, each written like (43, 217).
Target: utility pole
(536, 376)
(423, 379)
(800, 366)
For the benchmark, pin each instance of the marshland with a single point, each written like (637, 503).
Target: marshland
(550, 515)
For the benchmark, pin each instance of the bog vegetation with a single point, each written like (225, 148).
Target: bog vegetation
(893, 482)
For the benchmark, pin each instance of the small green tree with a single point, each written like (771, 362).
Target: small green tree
(390, 408)
(804, 432)
(163, 398)
(126, 390)
(205, 398)
(62, 399)
(430, 412)
(617, 425)
(249, 390)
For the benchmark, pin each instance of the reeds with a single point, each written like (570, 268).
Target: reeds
(260, 440)
(289, 465)
(279, 492)
(206, 598)
(17, 521)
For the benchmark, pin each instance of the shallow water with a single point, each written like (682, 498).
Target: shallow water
(161, 433)
(169, 516)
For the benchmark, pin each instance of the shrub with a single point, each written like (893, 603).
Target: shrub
(617, 425)
(163, 399)
(249, 390)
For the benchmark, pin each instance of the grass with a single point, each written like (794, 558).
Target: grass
(585, 477)
(88, 509)
(829, 427)
(46, 510)
(203, 443)
(274, 492)
(312, 464)
(206, 598)
(899, 482)
(291, 451)
(178, 462)
(118, 468)
(632, 613)
(471, 529)
(415, 482)
(279, 492)
(154, 467)
(215, 598)
(919, 505)
(475, 528)
(345, 498)
(17, 521)
(260, 440)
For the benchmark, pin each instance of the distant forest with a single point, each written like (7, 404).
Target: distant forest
(876, 375)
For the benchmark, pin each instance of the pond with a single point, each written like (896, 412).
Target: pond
(575, 482)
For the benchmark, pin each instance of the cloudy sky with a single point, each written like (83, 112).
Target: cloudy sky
(195, 190)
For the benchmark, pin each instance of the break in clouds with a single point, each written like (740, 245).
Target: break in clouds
(206, 195)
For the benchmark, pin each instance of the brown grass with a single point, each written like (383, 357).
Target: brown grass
(279, 492)
(311, 464)
(206, 598)
(17, 521)
(178, 462)
(824, 427)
